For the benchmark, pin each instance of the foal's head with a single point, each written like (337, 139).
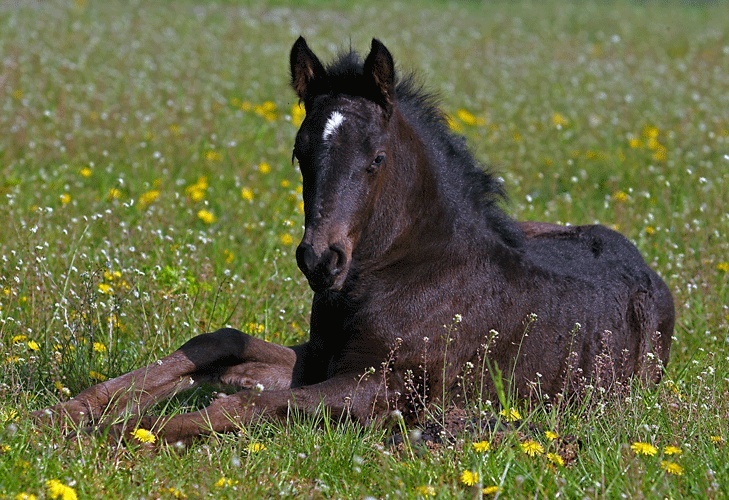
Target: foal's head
(342, 149)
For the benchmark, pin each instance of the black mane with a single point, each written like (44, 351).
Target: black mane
(474, 182)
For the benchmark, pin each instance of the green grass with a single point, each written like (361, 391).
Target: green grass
(120, 123)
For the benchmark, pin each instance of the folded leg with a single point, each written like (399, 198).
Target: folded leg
(226, 356)
(360, 398)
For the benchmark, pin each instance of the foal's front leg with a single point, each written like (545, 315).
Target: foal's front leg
(227, 356)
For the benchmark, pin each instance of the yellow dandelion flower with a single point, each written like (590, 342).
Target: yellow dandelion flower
(33, 345)
(466, 117)
(510, 415)
(481, 446)
(99, 347)
(252, 328)
(490, 490)
(4, 448)
(97, 376)
(224, 482)
(551, 435)
(105, 288)
(650, 230)
(255, 447)
(206, 216)
(113, 194)
(112, 275)
(672, 450)
(148, 198)
(179, 494)
(85, 172)
(213, 155)
(56, 489)
(144, 436)
(425, 490)
(672, 467)
(264, 168)
(18, 339)
(620, 196)
(556, 459)
(558, 120)
(723, 267)
(196, 191)
(25, 496)
(634, 143)
(267, 111)
(643, 448)
(298, 113)
(660, 153)
(246, 193)
(650, 132)
(532, 448)
(196, 195)
(469, 477)
(716, 439)
(17, 94)
(286, 239)
(65, 199)
(228, 256)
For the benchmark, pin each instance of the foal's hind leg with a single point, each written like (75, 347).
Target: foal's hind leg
(226, 356)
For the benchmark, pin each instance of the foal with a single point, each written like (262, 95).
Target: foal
(414, 267)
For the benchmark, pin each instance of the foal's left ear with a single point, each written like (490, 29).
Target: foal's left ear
(306, 70)
(380, 68)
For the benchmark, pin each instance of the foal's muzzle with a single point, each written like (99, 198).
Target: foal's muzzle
(325, 271)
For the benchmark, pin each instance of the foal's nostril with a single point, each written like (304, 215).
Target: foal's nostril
(338, 259)
(306, 257)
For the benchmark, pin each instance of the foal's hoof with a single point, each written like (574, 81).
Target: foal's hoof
(64, 417)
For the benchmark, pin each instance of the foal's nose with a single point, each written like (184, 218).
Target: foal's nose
(321, 270)
(306, 258)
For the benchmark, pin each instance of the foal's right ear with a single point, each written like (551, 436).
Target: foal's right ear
(305, 69)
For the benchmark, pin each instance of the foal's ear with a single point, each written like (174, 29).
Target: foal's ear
(305, 69)
(380, 68)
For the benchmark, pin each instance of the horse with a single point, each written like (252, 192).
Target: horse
(418, 273)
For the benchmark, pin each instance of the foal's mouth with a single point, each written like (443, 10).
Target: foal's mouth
(332, 283)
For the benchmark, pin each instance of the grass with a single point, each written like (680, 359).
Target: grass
(148, 196)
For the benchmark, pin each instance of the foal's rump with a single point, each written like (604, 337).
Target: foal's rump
(610, 263)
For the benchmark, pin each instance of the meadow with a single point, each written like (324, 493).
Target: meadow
(148, 195)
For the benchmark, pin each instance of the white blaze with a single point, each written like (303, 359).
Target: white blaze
(332, 124)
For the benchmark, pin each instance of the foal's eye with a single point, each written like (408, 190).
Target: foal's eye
(379, 160)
